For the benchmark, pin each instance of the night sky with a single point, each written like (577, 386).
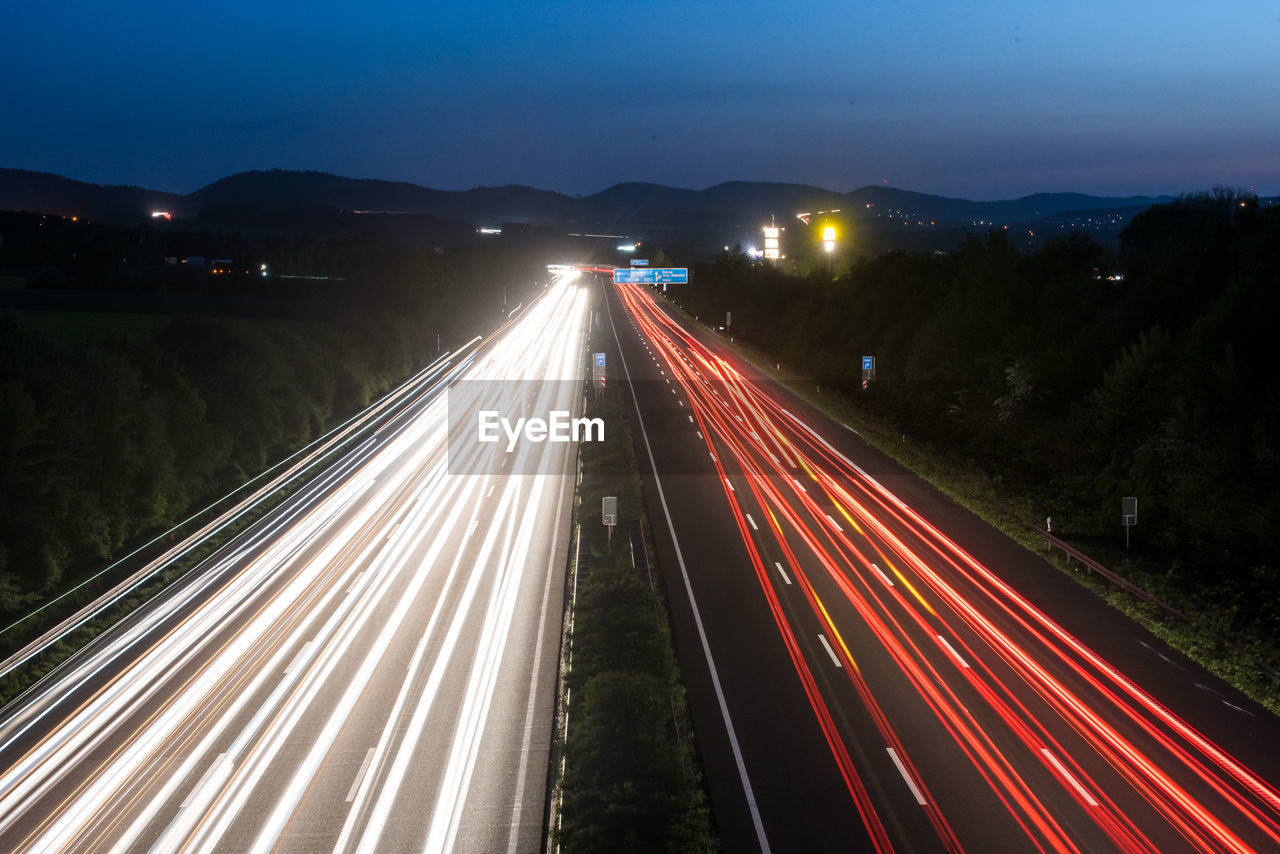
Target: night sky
(981, 100)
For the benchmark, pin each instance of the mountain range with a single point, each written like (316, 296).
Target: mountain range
(632, 204)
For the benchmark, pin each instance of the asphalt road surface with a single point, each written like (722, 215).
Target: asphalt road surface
(871, 668)
(369, 668)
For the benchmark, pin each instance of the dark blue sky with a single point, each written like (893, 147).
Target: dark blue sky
(982, 100)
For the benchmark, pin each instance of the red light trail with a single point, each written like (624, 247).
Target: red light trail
(998, 674)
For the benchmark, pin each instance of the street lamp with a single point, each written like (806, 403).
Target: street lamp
(829, 244)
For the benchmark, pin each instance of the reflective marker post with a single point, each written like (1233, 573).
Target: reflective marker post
(597, 375)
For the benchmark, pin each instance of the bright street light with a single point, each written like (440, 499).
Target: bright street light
(772, 247)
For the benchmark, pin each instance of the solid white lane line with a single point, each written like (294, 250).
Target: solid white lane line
(880, 572)
(364, 768)
(1075, 784)
(748, 792)
(831, 652)
(785, 577)
(952, 650)
(752, 523)
(902, 769)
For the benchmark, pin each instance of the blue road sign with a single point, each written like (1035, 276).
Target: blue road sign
(868, 363)
(599, 360)
(651, 275)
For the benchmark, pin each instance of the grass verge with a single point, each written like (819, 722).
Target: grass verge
(631, 778)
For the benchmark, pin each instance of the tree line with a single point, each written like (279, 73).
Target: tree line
(114, 427)
(1073, 376)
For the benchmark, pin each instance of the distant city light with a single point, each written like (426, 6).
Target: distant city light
(490, 230)
(626, 247)
(158, 214)
(771, 243)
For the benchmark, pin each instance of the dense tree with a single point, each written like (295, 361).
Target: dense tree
(1075, 376)
(112, 431)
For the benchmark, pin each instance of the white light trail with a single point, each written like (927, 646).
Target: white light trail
(219, 713)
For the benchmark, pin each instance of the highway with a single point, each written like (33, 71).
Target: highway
(871, 668)
(371, 667)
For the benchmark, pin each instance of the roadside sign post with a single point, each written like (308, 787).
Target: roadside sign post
(597, 375)
(1128, 516)
(868, 371)
(609, 513)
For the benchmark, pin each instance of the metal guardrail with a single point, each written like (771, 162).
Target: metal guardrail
(1093, 566)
